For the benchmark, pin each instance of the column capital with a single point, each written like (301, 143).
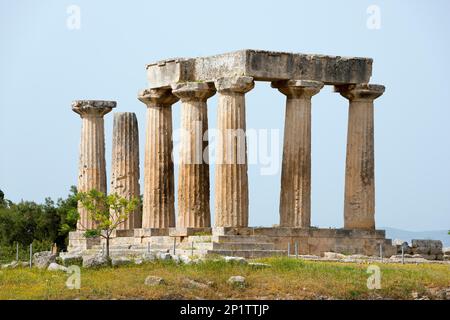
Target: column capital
(361, 91)
(193, 90)
(237, 84)
(298, 88)
(159, 96)
(92, 108)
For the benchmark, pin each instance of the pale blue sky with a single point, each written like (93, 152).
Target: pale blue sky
(44, 66)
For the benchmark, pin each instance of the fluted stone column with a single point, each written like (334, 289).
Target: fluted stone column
(125, 164)
(359, 206)
(193, 181)
(295, 195)
(158, 206)
(231, 181)
(92, 165)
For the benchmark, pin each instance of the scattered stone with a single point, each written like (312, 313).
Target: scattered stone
(398, 242)
(138, 261)
(149, 256)
(56, 267)
(359, 256)
(195, 284)
(68, 259)
(239, 260)
(446, 251)
(11, 265)
(154, 281)
(259, 265)
(399, 256)
(121, 261)
(446, 257)
(440, 293)
(164, 256)
(308, 256)
(238, 281)
(185, 259)
(334, 255)
(43, 259)
(95, 261)
(426, 247)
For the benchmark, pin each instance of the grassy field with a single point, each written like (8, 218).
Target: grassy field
(285, 279)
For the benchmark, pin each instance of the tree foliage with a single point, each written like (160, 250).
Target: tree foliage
(107, 212)
(27, 222)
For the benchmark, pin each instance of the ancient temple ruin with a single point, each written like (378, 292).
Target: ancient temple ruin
(193, 81)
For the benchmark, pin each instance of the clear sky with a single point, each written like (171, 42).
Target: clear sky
(44, 65)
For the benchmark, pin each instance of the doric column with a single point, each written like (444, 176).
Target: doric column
(193, 178)
(359, 206)
(125, 163)
(231, 182)
(295, 195)
(92, 165)
(158, 206)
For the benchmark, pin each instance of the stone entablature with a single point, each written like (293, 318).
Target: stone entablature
(262, 66)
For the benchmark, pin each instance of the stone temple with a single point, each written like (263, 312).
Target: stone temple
(188, 227)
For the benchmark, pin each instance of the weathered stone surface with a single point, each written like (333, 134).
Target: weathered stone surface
(426, 247)
(154, 281)
(308, 256)
(92, 165)
(159, 205)
(334, 255)
(68, 259)
(43, 259)
(295, 194)
(121, 261)
(14, 265)
(237, 281)
(95, 261)
(164, 256)
(149, 256)
(231, 180)
(195, 284)
(193, 181)
(56, 267)
(261, 65)
(359, 207)
(399, 242)
(238, 260)
(125, 164)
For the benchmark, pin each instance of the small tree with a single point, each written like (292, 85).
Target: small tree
(107, 212)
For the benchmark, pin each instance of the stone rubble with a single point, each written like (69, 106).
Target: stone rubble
(154, 281)
(56, 267)
(43, 259)
(238, 281)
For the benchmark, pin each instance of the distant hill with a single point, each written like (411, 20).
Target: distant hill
(392, 233)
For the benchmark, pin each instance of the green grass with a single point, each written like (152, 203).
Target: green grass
(286, 279)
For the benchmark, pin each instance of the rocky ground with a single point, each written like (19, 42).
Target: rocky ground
(162, 275)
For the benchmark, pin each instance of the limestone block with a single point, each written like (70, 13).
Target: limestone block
(261, 65)
(154, 281)
(68, 259)
(43, 259)
(56, 267)
(238, 281)
(121, 261)
(95, 261)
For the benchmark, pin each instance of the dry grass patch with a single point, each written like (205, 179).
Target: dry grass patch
(285, 279)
